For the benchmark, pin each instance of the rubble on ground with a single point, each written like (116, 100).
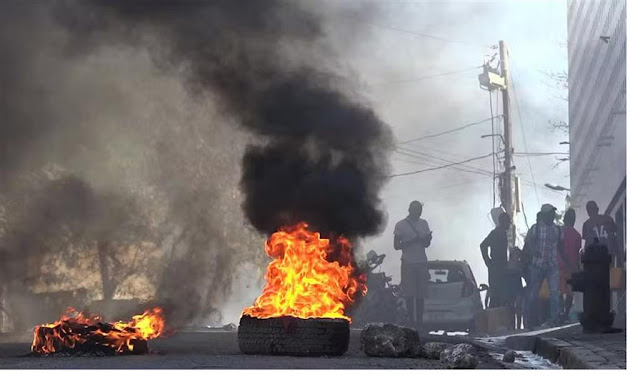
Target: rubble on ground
(509, 356)
(388, 340)
(432, 350)
(460, 356)
(230, 327)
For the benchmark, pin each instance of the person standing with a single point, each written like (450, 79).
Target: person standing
(544, 242)
(526, 254)
(569, 261)
(412, 236)
(602, 228)
(497, 263)
(526, 260)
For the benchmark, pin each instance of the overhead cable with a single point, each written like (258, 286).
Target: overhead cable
(524, 137)
(426, 77)
(451, 130)
(539, 154)
(440, 161)
(439, 167)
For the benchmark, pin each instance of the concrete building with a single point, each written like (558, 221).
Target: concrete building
(597, 44)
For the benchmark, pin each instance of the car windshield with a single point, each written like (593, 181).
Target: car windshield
(442, 274)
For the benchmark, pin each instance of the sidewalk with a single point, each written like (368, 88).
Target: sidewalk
(571, 349)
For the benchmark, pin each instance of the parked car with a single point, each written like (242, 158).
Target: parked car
(453, 297)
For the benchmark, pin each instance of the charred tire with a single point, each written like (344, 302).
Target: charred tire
(293, 336)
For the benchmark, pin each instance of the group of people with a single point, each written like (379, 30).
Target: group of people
(550, 252)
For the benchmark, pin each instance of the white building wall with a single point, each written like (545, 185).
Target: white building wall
(597, 103)
(597, 43)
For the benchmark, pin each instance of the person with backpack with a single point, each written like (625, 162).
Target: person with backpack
(544, 244)
(412, 236)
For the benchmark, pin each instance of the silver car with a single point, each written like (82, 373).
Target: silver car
(453, 297)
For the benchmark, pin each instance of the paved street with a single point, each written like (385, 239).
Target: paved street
(215, 350)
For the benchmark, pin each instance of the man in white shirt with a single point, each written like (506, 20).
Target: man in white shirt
(412, 235)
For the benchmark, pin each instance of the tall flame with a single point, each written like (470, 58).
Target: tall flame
(75, 328)
(309, 277)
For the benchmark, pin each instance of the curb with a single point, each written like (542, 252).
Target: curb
(570, 356)
(563, 353)
(527, 341)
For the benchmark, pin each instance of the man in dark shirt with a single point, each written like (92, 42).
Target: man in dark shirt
(601, 227)
(497, 263)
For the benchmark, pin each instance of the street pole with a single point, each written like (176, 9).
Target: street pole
(508, 189)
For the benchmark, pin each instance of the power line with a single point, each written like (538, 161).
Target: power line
(500, 148)
(422, 160)
(456, 157)
(421, 78)
(493, 152)
(539, 154)
(440, 167)
(450, 131)
(436, 189)
(427, 35)
(524, 138)
(462, 169)
(431, 158)
(415, 155)
(408, 161)
(438, 160)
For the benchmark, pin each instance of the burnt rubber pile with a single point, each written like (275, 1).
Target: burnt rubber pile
(78, 334)
(96, 341)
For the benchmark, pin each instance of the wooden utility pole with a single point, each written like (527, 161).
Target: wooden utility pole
(507, 191)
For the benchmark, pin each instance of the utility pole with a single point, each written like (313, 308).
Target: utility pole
(508, 196)
(491, 80)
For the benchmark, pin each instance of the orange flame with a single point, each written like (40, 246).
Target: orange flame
(308, 277)
(75, 328)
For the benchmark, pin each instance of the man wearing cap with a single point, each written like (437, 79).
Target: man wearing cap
(545, 243)
(412, 235)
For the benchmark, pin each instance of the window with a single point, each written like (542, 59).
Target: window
(446, 274)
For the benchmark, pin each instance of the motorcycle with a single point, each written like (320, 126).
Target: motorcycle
(383, 302)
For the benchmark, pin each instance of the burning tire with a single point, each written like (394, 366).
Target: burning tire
(293, 336)
(77, 333)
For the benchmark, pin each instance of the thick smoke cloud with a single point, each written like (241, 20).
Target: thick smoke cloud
(89, 86)
(324, 157)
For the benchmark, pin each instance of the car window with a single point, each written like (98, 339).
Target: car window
(446, 275)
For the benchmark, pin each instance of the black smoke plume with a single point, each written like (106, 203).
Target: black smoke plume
(318, 152)
(323, 154)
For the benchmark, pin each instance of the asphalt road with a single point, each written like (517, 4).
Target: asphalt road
(213, 350)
